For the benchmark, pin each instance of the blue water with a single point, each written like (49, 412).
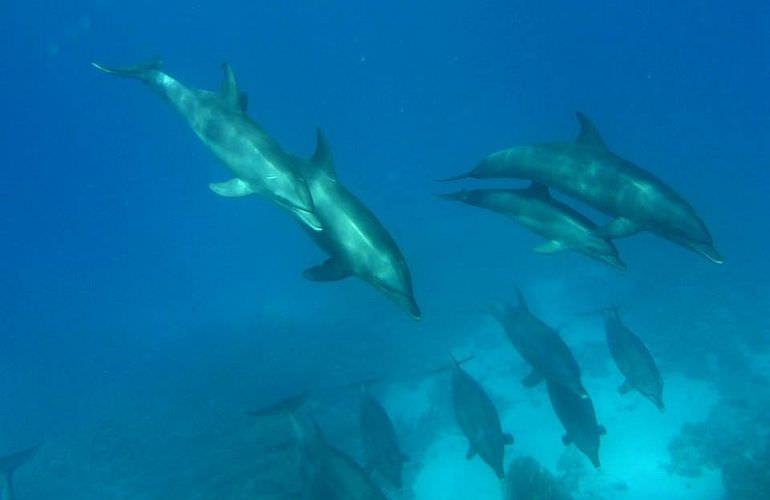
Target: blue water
(142, 315)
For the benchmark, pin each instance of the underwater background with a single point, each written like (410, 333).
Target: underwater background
(142, 316)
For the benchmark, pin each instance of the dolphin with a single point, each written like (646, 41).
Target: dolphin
(259, 163)
(578, 417)
(535, 208)
(328, 473)
(633, 360)
(541, 347)
(587, 170)
(8, 464)
(356, 242)
(479, 421)
(380, 441)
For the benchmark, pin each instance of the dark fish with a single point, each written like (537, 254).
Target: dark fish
(380, 441)
(633, 360)
(479, 421)
(578, 417)
(541, 347)
(8, 464)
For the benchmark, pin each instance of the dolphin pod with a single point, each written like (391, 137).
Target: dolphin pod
(338, 222)
(588, 171)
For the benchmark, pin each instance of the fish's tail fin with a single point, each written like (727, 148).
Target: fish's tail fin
(141, 71)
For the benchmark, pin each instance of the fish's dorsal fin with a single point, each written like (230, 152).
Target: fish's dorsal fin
(322, 157)
(539, 189)
(589, 135)
(232, 97)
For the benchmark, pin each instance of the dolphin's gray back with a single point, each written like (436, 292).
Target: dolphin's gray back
(380, 440)
(542, 347)
(578, 417)
(634, 359)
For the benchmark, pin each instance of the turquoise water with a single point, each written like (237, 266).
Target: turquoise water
(142, 315)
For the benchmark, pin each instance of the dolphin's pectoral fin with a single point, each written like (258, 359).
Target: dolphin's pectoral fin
(330, 270)
(470, 453)
(233, 188)
(617, 228)
(531, 380)
(507, 438)
(624, 387)
(548, 247)
(566, 439)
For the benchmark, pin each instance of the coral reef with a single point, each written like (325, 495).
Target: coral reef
(528, 480)
(736, 439)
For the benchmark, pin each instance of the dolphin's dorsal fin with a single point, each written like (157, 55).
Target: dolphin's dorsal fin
(322, 157)
(589, 134)
(232, 97)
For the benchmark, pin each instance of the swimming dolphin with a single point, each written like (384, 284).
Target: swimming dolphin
(564, 227)
(578, 417)
(356, 242)
(541, 347)
(633, 360)
(328, 473)
(220, 121)
(380, 441)
(479, 421)
(8, 464)
(588, 171)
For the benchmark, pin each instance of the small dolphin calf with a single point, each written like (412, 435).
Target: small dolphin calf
(537, 210)
(8, 464)
(578, 417)
(357, 243)
(379, 439)
(633, 360)
(220, 121)
(541, 347)
(479, 421)
(588, 171)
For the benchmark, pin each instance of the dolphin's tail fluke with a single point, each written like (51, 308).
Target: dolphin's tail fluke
(8, 464)
(286, 405)
(140, 71)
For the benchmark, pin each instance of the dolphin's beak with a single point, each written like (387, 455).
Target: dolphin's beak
(615, 262)
(307, 218)
(709, 252)
(413, 309)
